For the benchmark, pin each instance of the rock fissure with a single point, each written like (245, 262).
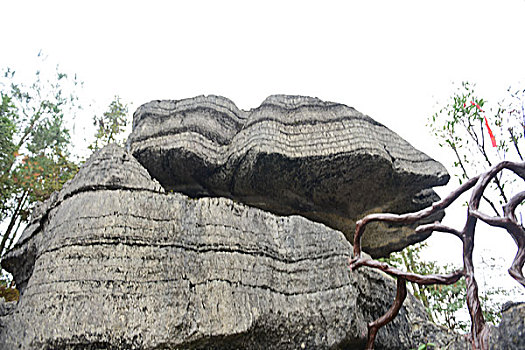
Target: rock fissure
(392, 159)
(269, 288)
(42, 219)
(197, 249)
(191, 285)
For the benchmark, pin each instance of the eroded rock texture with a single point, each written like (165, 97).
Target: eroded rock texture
(113, 262)
(510, 333)
(292, 155)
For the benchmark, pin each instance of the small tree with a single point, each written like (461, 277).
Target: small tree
(34, 146)
(110, 125)
(35, 159)
(442, 302)
(479, 137)
(507, 221)
(477, 142)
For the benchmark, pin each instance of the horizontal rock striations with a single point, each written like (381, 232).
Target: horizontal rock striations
(110, 169)
(113, 262)
(291, 155)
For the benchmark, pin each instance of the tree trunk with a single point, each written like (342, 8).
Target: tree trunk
(12, 223)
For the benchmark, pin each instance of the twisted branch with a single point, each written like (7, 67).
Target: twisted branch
(478, 184)
(374, 326)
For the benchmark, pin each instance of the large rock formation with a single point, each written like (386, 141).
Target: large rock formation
(114, 262)
(292, 155)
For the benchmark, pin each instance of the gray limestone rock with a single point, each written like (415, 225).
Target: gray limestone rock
(510, 334)
(111, 169)
(291, 155)
(113, 262)
(6, 308)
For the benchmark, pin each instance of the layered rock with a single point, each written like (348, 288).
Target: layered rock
(291, 155)
(111, 169)
(113, 262)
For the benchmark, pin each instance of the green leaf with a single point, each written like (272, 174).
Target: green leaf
(34, 143)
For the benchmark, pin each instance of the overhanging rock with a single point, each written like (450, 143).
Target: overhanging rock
(291, 155)
(114, 262)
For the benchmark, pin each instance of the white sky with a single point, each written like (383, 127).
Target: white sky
(392, 60)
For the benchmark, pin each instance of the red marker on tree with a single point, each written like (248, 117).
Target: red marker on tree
(477, 106)
(492, 138)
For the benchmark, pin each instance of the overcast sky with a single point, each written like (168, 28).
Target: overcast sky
(392, 60)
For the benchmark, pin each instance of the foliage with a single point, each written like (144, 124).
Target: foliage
(35, 159)
(443, 303)
(464, 126)
(7, 150)
(426, 346)
(7, 291)
(110, 125)
(479, 330)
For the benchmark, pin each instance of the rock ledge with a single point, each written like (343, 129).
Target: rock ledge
(291, 155)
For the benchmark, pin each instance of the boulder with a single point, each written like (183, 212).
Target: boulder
(292, 155)
(510, 333)
(115, 262)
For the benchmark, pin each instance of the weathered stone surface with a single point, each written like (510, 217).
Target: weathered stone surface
(6, 308)
(111, 169)
(426, 332)
(510, 334)
(117, 264)
(292, 155)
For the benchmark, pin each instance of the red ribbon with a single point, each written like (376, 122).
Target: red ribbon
(477, 106)
(492, 138)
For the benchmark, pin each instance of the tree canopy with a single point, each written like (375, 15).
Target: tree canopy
(35, 159)
(478, 134)
(35, 143)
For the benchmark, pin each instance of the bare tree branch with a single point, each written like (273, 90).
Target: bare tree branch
(478, 184)
(496, 221)
(439, 227)
(374, 326)
(409, 276)
(515, 142)
(510, 207)
(516, 269)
